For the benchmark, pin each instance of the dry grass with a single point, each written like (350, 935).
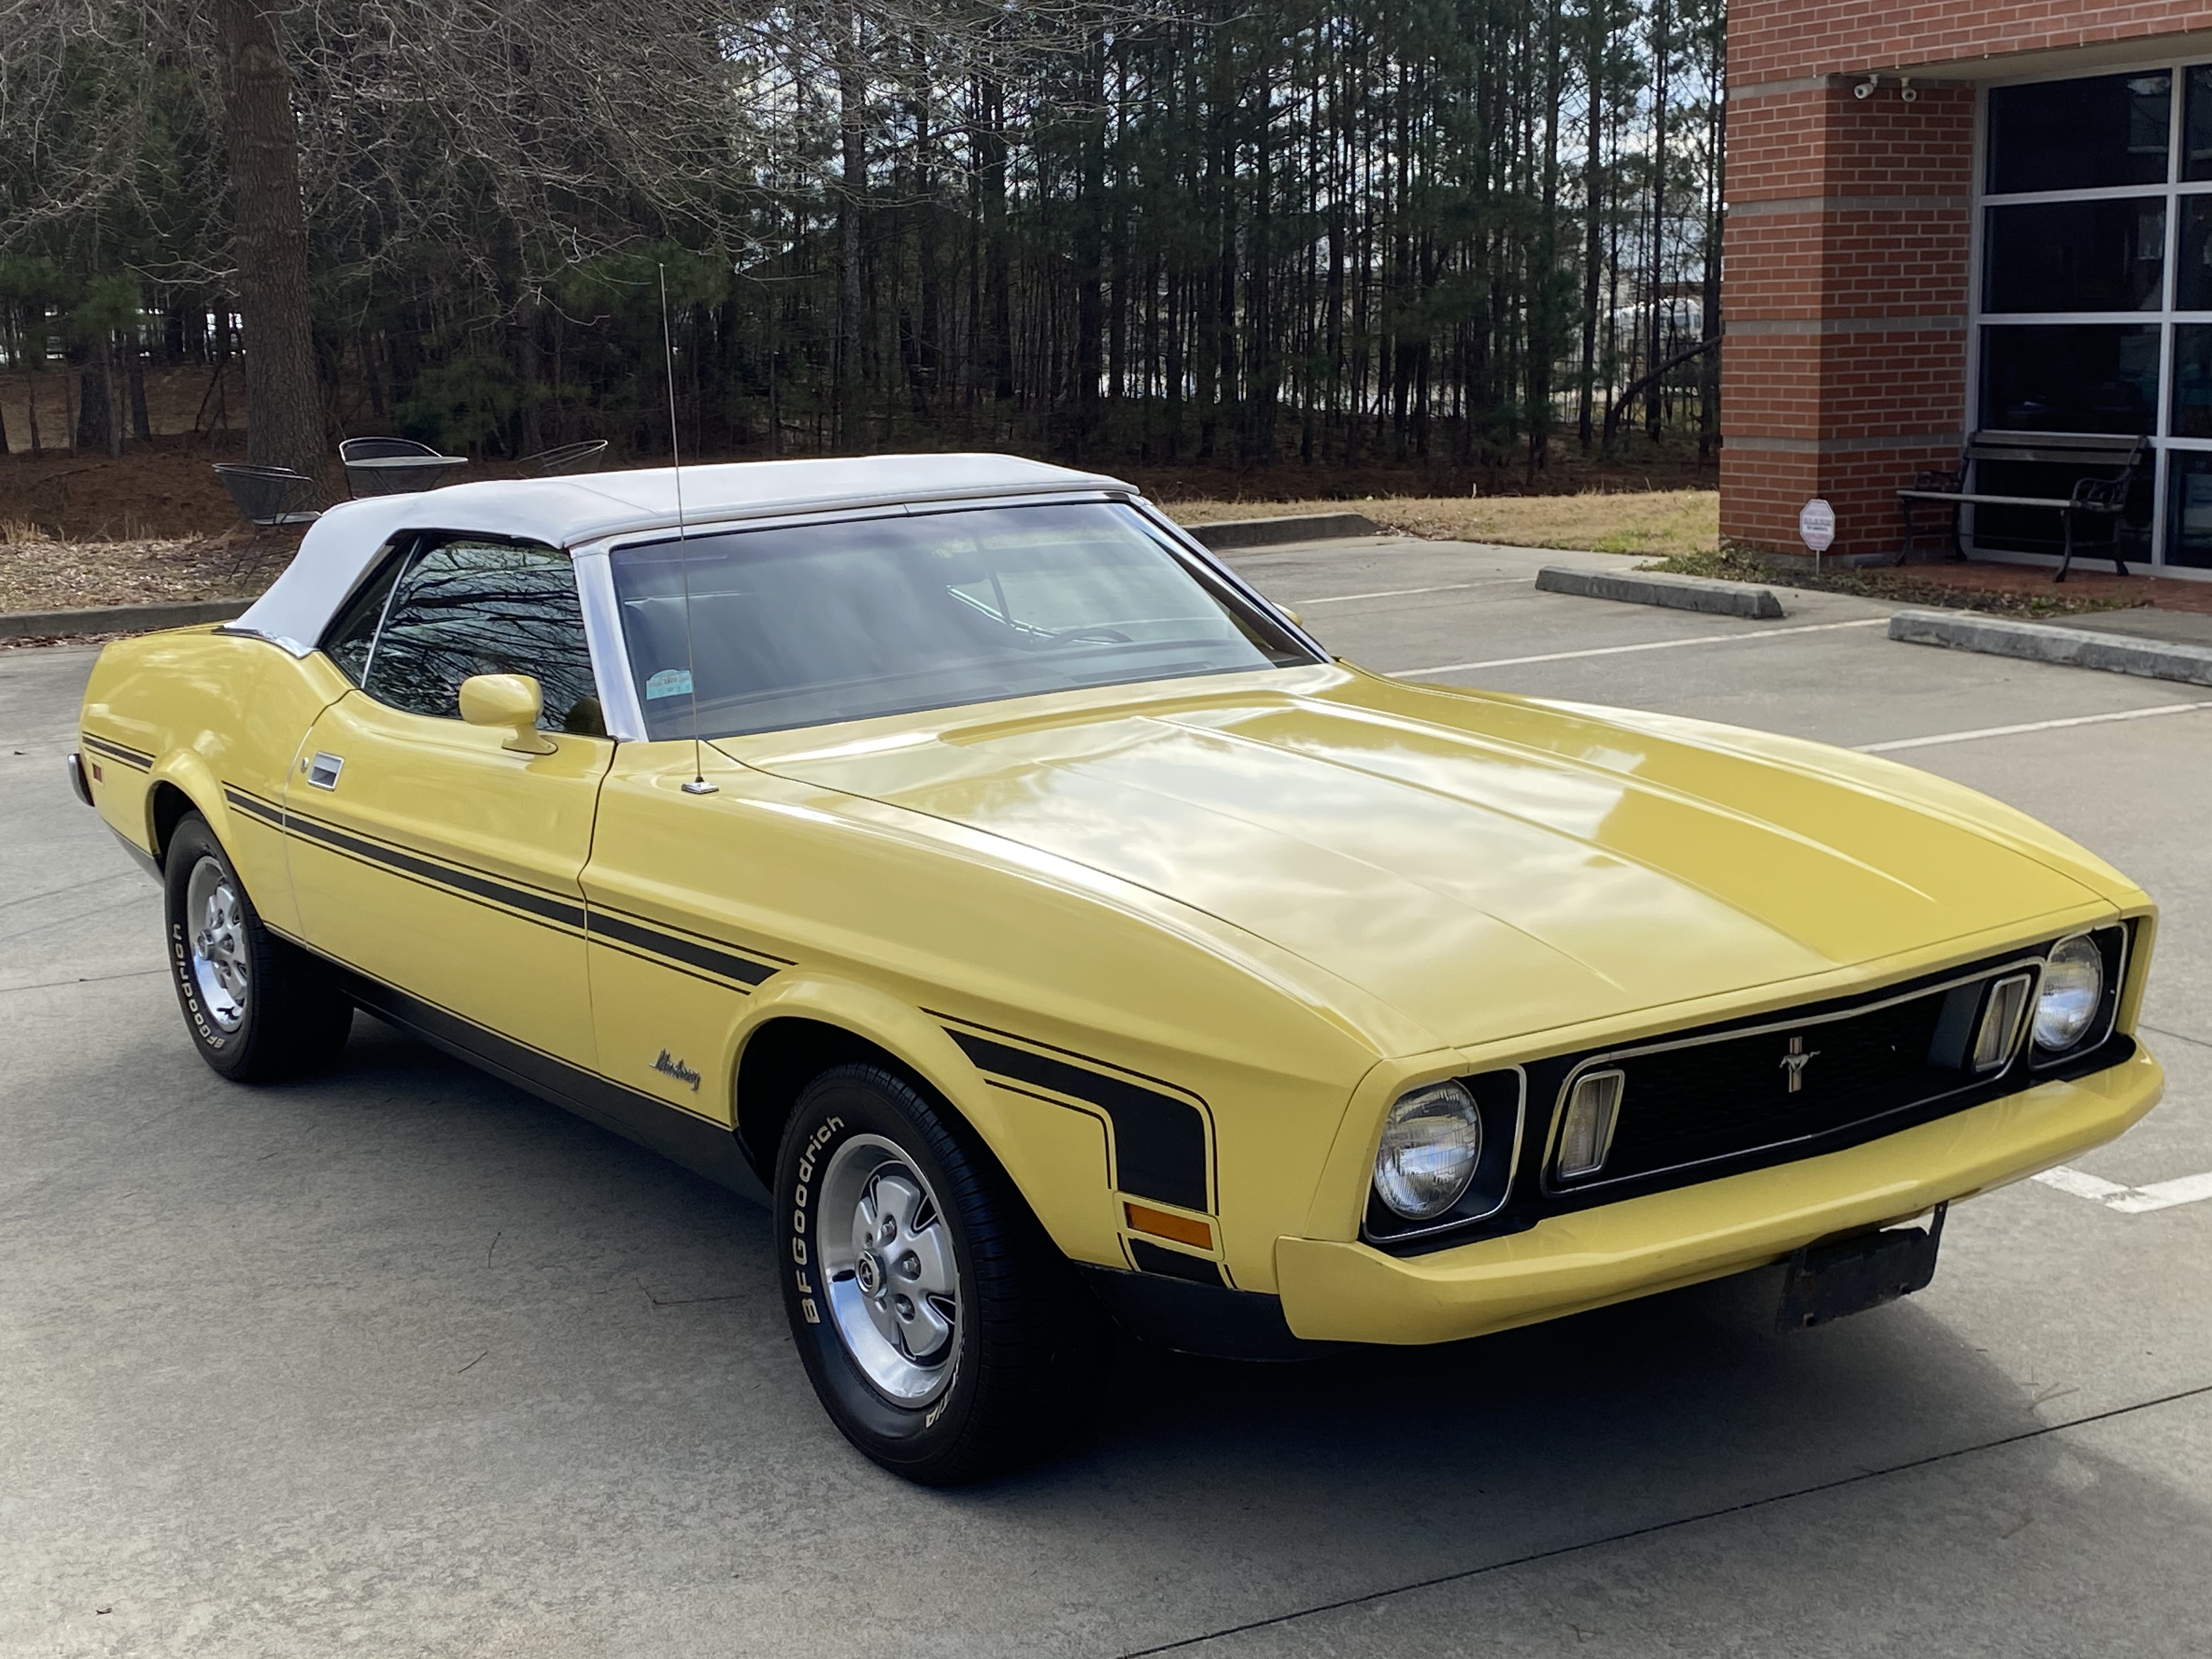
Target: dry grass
(1666, 522)
(40, 572)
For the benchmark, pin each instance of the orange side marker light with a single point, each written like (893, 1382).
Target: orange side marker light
(1184, 1230)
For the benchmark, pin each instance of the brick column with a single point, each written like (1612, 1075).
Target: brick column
(1843, 366)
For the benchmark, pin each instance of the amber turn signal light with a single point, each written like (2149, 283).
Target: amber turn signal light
(1184, 1230)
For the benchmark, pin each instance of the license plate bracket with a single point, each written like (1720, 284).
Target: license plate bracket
(1849, 1275)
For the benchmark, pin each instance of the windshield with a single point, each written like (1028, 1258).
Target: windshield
(809, 625)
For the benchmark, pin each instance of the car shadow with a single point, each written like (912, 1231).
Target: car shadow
(1207, 1493)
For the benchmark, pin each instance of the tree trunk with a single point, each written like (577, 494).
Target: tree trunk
(1654, 400)
(851, 100)
(999, 280)
(1089, 250)
(141, 421)
(1709, 384)
(285, 422)
(1593, 199)
(1543, 328)
(93, 403)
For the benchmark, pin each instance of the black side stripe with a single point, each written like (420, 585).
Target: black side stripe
(1077, 1056)
(1152, 1259)
(255, 806)
(135, 757)
(655, 941)
(567, 912)
(1159, 1142)
(725, 963)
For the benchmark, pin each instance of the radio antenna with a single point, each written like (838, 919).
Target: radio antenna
(698, 786)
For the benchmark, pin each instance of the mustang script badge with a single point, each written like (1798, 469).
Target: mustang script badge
(683, 1073)
(1796, 1061)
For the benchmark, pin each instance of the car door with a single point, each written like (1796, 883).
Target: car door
(424, 852)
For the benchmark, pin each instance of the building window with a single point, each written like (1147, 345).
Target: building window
(2080, 135)
(2093, 310)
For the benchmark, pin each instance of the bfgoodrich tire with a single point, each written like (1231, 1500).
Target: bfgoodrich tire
(258, 1008)
(945, 1335)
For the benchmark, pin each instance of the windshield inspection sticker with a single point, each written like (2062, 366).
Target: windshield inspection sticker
(668, 682)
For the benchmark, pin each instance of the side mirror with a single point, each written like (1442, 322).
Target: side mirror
(511, 701)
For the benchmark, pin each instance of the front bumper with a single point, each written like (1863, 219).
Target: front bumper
(1351, 1292)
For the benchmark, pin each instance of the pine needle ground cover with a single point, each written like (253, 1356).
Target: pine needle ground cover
(40, 572)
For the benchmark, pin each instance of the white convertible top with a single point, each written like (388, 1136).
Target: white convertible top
(569, 512)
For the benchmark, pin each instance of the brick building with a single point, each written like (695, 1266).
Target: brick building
(1950, 217)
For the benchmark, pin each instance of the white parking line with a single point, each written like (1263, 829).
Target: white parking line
(2129, 1201)
(2030, 725)
(1401, 592)
(1649, 645)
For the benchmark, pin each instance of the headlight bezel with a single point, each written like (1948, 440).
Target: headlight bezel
(1501, 1095)
(2112, 944)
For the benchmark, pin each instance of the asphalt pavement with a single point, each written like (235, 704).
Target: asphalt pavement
(399, 1361)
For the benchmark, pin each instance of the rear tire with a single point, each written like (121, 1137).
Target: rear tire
(945, 1334)
(258, 1008)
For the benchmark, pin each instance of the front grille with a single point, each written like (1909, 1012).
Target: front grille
(1699, 1101)
(1715, 1100)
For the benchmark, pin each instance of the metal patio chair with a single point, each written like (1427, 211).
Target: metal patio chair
(394, 466)
(566, 458)
(268, 495)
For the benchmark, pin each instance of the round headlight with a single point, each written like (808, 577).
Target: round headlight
(1431, 1142)
(2072, 990)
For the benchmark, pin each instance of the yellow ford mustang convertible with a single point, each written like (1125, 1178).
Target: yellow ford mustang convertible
(948, 849)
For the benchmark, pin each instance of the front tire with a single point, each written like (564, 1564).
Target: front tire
(258, 1008)
(945, 1335)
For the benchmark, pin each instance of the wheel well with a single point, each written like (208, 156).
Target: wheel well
(168, 808)
(781, 1059)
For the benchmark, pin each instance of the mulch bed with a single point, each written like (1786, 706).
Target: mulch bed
(1968, 582)
(2011, 589)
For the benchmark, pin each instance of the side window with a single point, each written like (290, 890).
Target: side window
(465, 607)
(351, 635)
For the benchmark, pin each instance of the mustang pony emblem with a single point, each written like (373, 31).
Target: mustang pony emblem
(1796, 1061)
(683, 1073)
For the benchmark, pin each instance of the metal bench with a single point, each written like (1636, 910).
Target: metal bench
(2106, 461)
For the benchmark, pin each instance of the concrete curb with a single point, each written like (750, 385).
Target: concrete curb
(118, 619)
(2071, 647)
(1645, 587)
(1225, 534)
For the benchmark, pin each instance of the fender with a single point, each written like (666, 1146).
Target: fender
(257, 848)
(1056, 1154)
(1339, 1198)
(187, 769)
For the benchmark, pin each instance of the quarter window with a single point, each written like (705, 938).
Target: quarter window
(464, 606)
(352, 637)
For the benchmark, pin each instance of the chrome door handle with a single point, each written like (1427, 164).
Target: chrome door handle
(323, 770)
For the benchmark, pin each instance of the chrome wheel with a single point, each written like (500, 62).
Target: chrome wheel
(217, 926)
(886, 1250)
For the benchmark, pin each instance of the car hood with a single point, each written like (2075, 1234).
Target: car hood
(1487, 865)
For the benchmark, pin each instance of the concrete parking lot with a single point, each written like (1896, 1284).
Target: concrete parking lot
(398, 1361)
